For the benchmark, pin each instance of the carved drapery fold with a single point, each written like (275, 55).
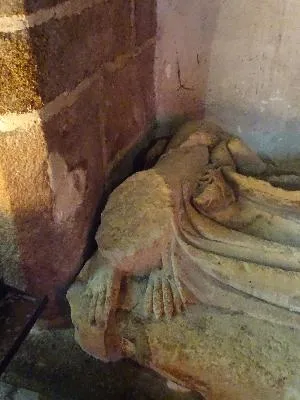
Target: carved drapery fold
(210, 227)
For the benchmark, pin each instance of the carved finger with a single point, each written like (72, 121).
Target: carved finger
(100, 304)
(148, 302)
(112, 295)
(88, 292)
(92, 308)
(175, 273)
(158, 307)
(167, 298)
(178, 305)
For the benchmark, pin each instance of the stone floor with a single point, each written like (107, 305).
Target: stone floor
(9, 392)
(52, 364)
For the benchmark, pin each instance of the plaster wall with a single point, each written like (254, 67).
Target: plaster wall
(239, 61)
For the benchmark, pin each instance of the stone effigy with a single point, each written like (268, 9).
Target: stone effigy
(197, 272)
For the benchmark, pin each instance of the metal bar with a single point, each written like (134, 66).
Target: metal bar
(38, 307)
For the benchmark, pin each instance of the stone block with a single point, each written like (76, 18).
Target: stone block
(71, 49)
(22, 160)
(19, 88)
(77, 135)
(11, 7)
(39, 64)
(54, 162)
(145, 74)
(128, 96)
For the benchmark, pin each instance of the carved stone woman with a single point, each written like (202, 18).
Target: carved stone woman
(203, 225)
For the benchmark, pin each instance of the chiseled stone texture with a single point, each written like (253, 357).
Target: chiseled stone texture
(221, 355)
(40, 63)
(70, 49)
(93, 88)
(145, 72)
(19, 91)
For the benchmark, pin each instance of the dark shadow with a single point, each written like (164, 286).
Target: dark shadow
(41, 365)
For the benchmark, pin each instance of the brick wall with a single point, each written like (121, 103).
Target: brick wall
(76, 92)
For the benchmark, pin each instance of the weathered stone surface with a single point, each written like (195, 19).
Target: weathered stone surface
(79, 376)
(53, 186)
(77, 134)
(22, 159)
(11, 7)
(74, 95)
(221, 50)
(9, 255)
(40, 63)
(19, 87)
(8, 392)
(145, 73)
(145, 20)
(182, 62)
(128, 96)
(54, 171)
(70, 49)
(66, 201)
(220, 355)
(185, 233)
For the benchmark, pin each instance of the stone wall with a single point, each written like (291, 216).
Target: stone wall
(239, 60)
(76, 92)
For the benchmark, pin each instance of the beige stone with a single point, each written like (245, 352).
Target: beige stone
(221, 355)
(181, 284)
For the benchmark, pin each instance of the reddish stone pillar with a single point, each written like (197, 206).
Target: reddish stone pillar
(76, 92)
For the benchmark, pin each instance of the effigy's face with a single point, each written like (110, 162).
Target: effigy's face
(197, 273)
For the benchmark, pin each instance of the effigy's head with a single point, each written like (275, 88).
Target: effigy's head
(194, 133)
